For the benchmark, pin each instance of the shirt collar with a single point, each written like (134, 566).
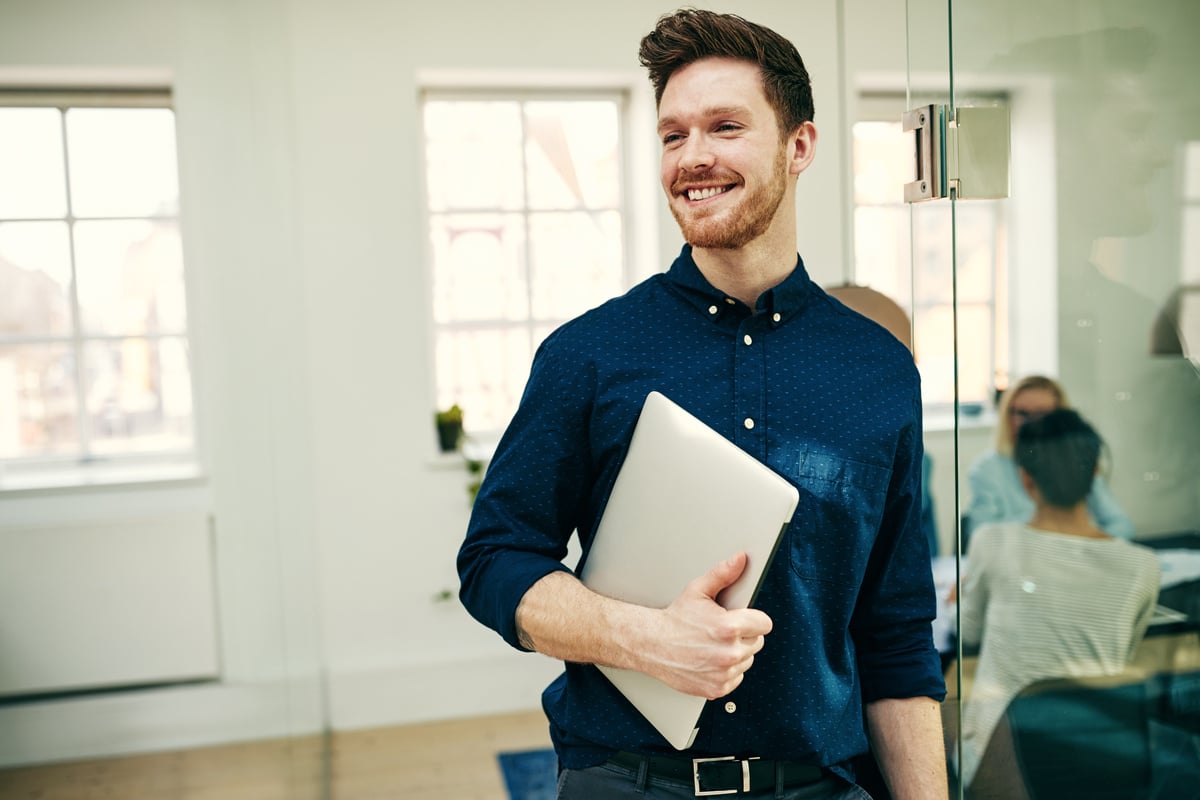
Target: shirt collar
(781, 301)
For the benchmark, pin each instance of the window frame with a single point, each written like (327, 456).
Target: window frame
(636, 196)
(85, 466)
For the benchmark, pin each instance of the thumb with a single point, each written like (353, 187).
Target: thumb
(723, 574)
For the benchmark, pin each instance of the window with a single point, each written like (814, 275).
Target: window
(94, 360)
(1187, 315)
(907, 256)
(526, 230)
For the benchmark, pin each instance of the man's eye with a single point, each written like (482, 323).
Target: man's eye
(671, 138)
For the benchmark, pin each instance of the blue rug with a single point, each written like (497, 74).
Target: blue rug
(530, 775)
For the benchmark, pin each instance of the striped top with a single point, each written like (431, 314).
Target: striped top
(1046, 605)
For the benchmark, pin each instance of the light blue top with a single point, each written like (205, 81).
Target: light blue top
(998, 496)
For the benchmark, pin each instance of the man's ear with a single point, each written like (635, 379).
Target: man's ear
(802, 147)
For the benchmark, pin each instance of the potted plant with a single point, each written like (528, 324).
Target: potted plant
(449, 428)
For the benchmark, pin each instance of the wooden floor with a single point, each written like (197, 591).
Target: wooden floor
(454, 759)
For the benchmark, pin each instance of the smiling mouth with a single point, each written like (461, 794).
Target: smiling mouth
(707, 192)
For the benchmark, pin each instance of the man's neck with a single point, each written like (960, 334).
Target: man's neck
(747, 272)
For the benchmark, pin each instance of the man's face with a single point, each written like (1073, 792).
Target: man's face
(724, 168)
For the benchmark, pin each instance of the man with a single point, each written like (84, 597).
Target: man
(737, 334)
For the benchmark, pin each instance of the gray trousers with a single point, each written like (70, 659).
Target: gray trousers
(612, 781)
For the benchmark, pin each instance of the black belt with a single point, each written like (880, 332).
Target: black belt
(724, 774)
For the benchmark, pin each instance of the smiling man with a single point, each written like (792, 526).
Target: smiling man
(837, 659)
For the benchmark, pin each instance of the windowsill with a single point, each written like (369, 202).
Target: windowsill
(18, 481)
(942, 419)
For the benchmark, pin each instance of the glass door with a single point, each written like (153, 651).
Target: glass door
(1075, 306)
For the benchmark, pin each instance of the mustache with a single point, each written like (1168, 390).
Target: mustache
(708, 178)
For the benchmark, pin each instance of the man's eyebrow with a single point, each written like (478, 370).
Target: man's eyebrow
(715, 111)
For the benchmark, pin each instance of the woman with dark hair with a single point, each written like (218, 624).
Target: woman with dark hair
(1055, 596)
(996, 491)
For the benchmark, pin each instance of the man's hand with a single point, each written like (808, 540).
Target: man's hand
(701, 648)
(693, 645)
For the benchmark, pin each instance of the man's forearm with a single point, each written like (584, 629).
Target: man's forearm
(906, 736)
(561, 618)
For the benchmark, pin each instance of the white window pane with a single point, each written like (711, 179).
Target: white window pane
(933, 253)
(484, 372)
(975, 223)
(38, 401)
(138, 395)
(882, 251)
(130, 276)
(473, 155)
(933, 347)
(33, 182)
(122, 162)
(934, 350)
(572, 154)
(1191, 246)
(576, 262)
(35, 273)
(883, 162)
(1191, 181)
(478, 267)
(974, 352)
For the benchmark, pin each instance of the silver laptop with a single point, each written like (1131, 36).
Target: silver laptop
(686, 497)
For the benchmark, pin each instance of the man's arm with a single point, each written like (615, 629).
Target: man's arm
(693, 645)
(906, 737)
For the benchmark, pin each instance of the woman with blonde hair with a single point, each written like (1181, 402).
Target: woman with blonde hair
(996, 491)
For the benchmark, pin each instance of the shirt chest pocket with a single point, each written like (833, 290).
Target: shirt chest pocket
(838, 516)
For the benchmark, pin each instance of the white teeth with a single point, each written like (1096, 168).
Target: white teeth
(704, 194)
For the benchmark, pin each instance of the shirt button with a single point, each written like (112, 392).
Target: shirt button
(730, 707)
(777, 317)
(712, 309)
(747, 340)
(749, 423)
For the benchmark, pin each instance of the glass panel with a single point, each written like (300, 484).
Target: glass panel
(32, 179)
(572, 152)
(483, 371)
(1104, 178)
(35, 271)
(139, 395)
(478, 267)
(38, 401)
(130, 277)
(576, 262)
(122, 162)
(473, 155)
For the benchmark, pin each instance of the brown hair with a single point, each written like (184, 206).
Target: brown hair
(1004, 435)
(692, 34)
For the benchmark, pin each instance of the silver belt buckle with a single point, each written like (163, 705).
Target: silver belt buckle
(696, 762)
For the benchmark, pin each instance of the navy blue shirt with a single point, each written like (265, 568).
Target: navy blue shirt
(835, 405)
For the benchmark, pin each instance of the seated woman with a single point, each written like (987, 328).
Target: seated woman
(1054, 597)
(996, 493)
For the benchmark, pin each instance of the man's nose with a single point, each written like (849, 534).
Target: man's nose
(696, 154)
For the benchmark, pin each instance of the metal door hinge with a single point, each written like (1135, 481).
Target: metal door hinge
(965, 155)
